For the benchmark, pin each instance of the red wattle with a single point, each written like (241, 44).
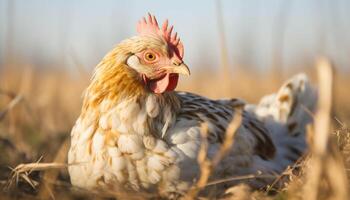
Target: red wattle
(172, 82)
(168, 82)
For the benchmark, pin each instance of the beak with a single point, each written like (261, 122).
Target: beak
(178, 69)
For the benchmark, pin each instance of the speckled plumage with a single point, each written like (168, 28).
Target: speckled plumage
(128, 136)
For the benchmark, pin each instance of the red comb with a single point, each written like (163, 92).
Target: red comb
(150, 27)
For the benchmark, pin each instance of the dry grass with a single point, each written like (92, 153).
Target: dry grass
(38, 109)
(206, 165)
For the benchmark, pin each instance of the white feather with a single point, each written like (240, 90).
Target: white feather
(113, 152)
(115, 122)
(190, 148)
(98, 142)
(153, 177)
(103, 122)
(194, 133)
(129, 110)
(179, 137)
(118, 163)
(171, 154)
(149, 142)
(140, 122)
(155, 163)
(160, 147)
(152, 106)
(138, 155)
(130, 143)
(86, 134)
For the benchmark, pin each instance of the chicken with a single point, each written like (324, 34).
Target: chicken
(136, 132)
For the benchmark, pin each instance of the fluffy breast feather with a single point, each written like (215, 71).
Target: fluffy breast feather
(153, 142)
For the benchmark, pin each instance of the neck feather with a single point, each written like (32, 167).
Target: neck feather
(114, 82)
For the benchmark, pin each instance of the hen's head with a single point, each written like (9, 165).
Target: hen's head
(154, 56)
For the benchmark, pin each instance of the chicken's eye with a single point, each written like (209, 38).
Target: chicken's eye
(150, 56)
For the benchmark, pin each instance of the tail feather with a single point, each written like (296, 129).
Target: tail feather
(292, 105)
(286, 114)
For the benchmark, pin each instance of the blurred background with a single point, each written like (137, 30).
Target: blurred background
(258, 35)
(246, 49)
(235, 48)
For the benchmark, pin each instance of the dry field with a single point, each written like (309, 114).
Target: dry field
(39, 107)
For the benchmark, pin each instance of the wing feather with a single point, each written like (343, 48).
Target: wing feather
(218, 114)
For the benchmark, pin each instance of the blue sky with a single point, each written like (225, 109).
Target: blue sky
(84, 30)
